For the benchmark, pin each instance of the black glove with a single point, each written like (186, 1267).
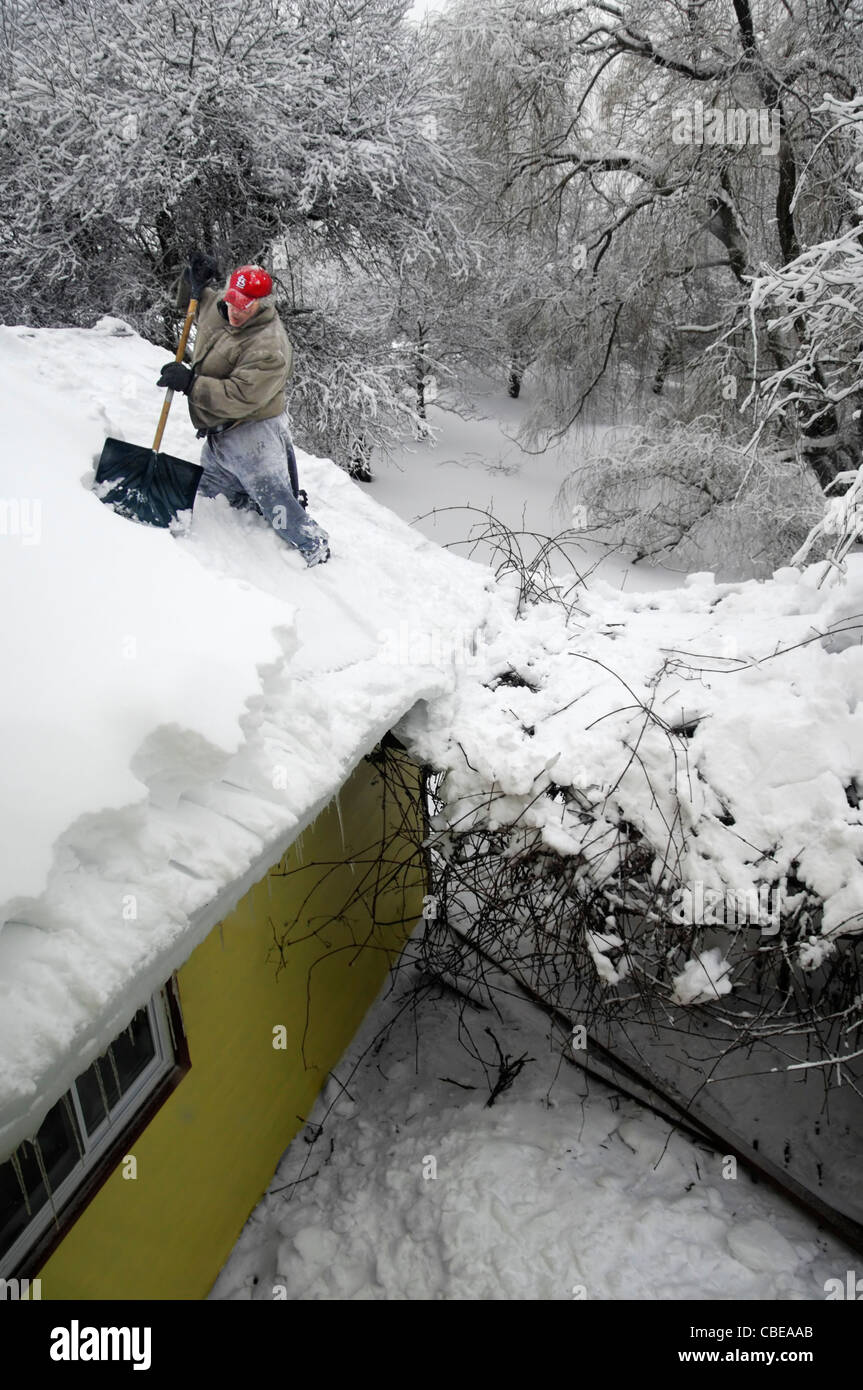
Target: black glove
(303, 498)
(199, 272)
(177, 377)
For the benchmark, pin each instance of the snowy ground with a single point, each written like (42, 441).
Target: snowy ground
(474, 461)
(404, 1185)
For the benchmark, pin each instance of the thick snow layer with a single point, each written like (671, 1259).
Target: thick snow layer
(723, 722)
(413, 1189)
(175, 708)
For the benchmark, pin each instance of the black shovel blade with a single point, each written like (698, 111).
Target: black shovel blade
(143, 485)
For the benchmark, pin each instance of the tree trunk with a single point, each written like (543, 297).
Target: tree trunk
(515, 372)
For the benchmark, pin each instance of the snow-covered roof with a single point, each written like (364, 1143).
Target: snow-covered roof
(176, 708)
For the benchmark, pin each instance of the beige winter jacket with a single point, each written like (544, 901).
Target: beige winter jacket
(240, 373)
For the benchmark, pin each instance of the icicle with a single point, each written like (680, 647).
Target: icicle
(113, 1062)
(73, 1124)
(43, 1173)
(337, 800)
(19, 1173)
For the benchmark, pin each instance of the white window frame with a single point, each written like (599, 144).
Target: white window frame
(108, 1131)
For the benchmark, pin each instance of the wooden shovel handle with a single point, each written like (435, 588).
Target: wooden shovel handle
(184, 338)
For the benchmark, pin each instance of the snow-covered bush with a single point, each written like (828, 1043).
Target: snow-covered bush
(690, 496)
(840, 528)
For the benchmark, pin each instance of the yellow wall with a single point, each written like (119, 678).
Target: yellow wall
(209, 1153)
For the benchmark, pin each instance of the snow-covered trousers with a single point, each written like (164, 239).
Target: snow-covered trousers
(250, 464)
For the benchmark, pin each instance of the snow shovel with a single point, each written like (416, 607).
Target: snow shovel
(143, 484)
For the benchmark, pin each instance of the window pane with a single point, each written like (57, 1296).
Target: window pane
(131, 1053)
(59, 1151)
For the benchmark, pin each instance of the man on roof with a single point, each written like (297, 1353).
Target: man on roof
(236, 392)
